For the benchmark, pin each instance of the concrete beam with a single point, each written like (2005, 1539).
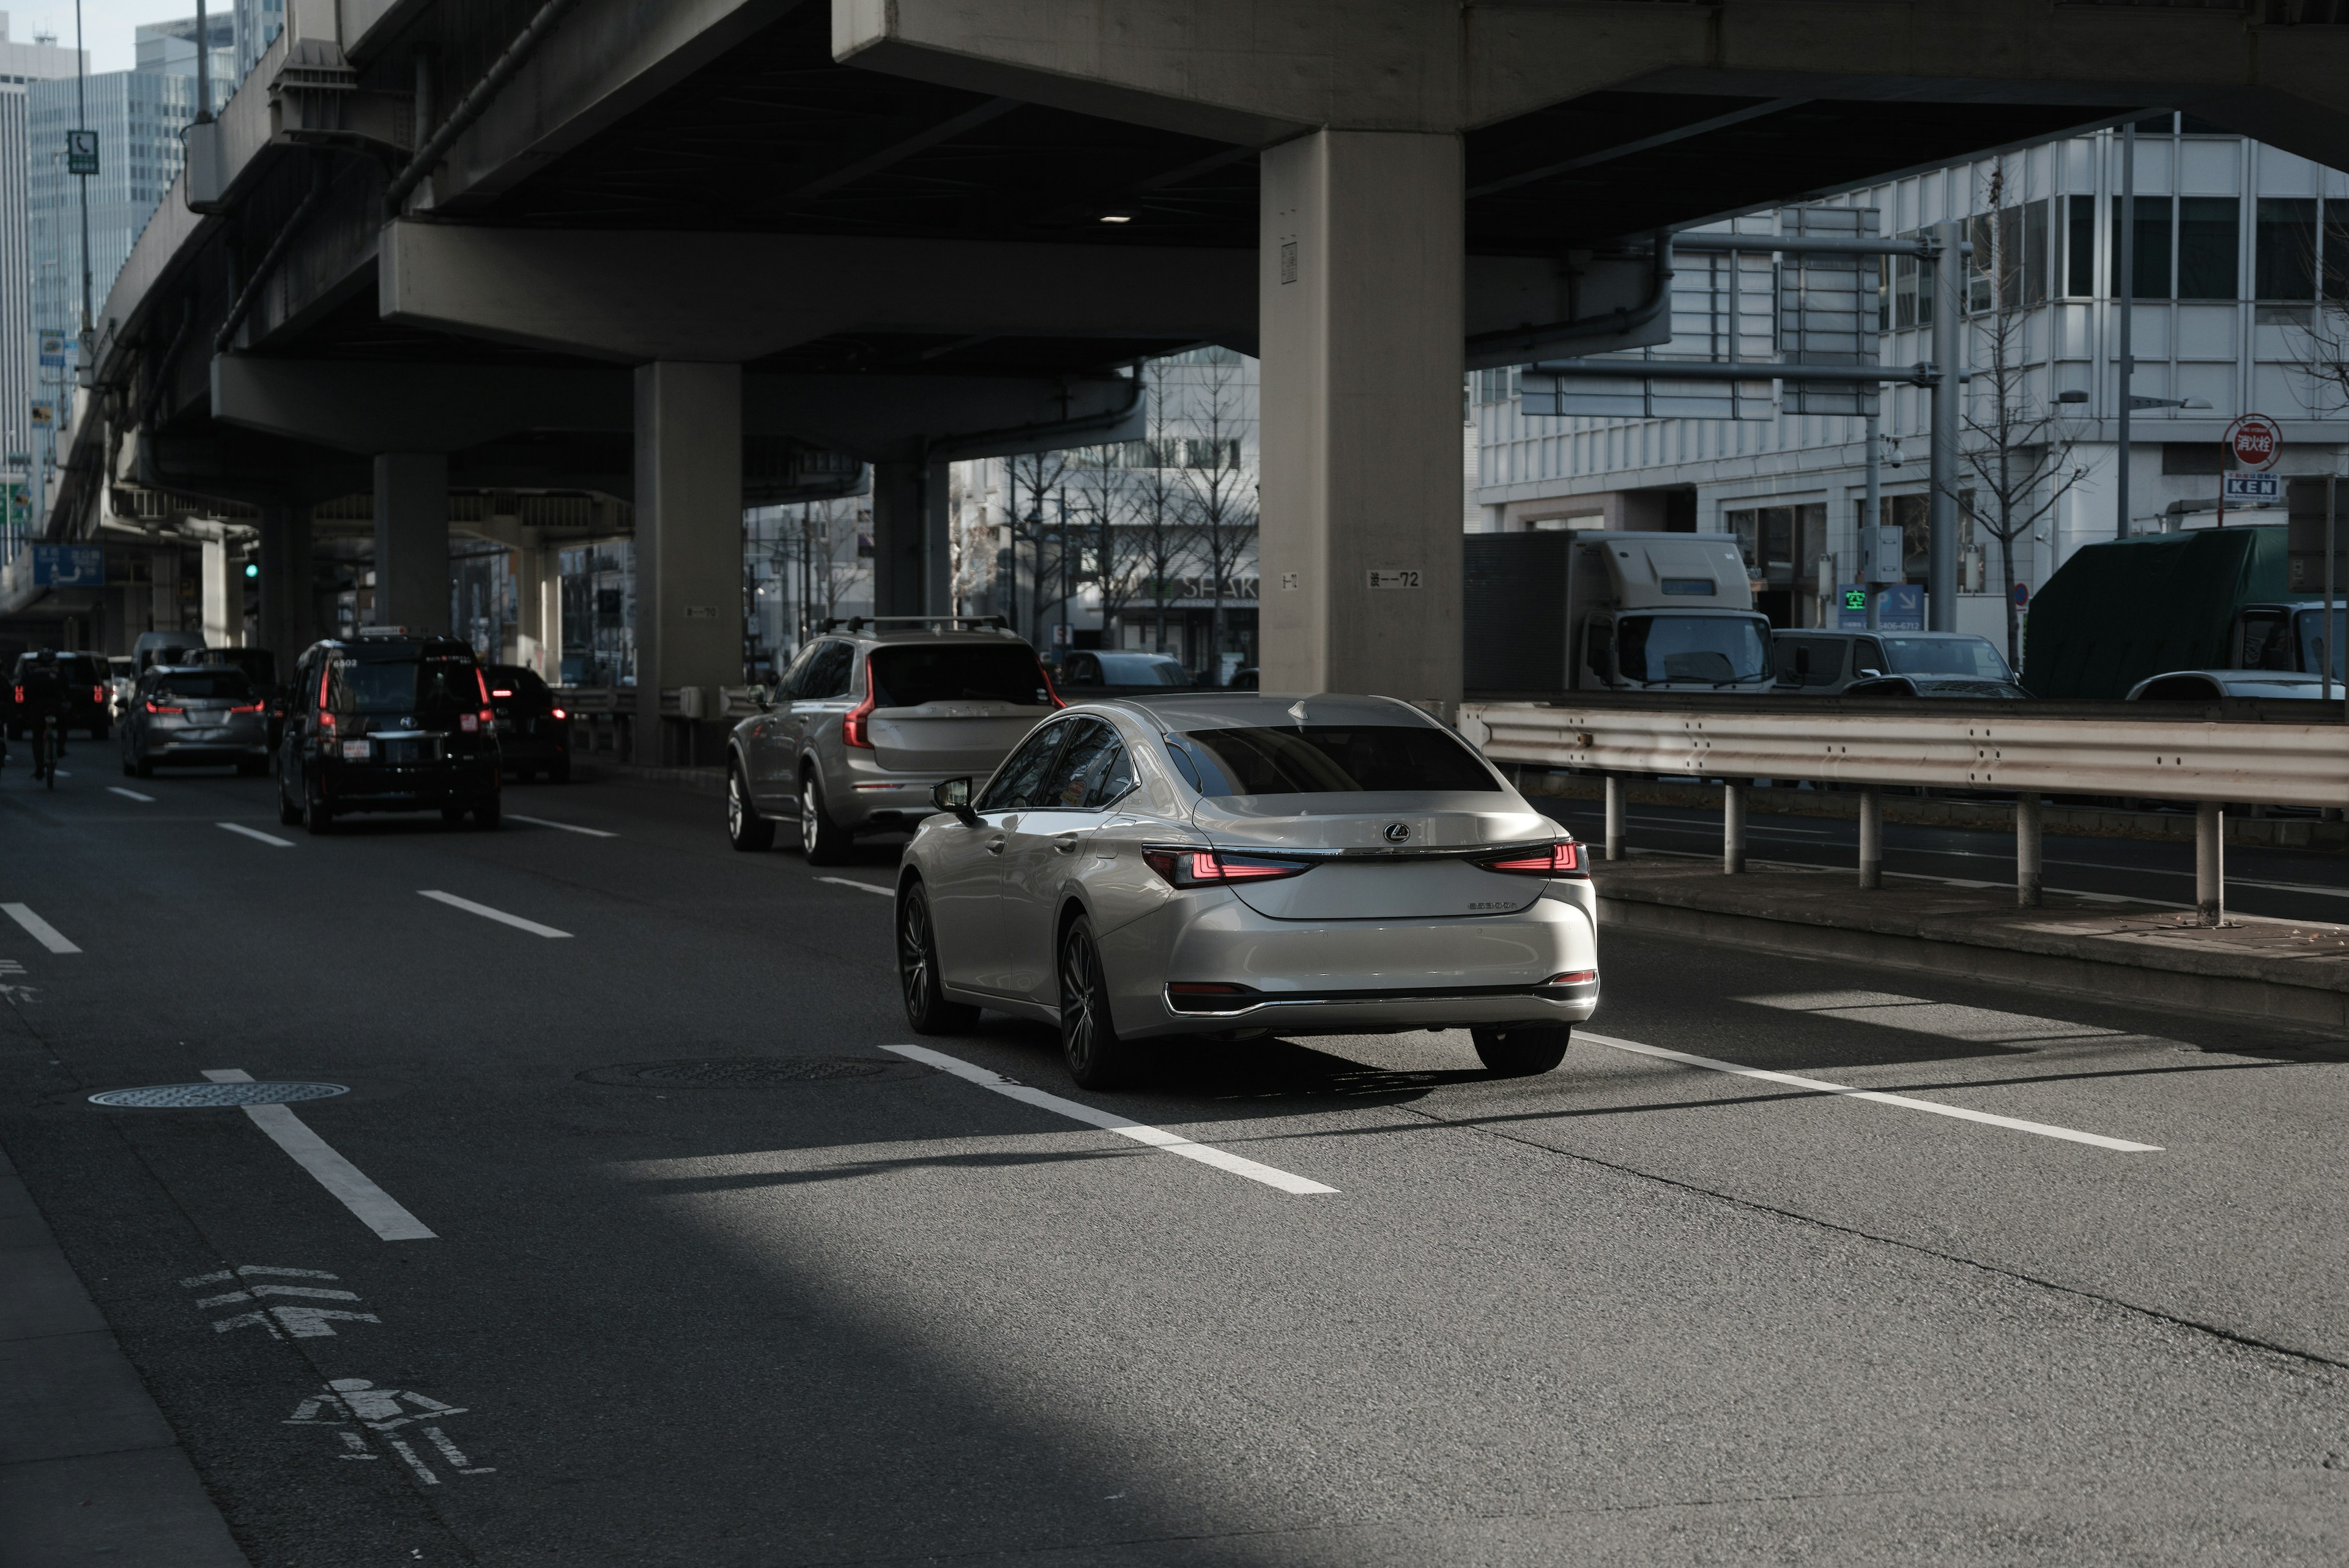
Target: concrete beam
(619, 296)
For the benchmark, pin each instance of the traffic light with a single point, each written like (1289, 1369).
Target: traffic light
(252, 569)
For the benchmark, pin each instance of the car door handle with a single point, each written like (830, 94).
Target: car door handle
(1065, 844)
(995, 845)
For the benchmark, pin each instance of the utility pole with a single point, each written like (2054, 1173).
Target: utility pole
(82, 120)
(203, 65)
(1942, 511)
(2127, 369)
(1872, 520)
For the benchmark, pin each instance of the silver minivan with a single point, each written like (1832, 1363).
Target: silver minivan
(869, 717)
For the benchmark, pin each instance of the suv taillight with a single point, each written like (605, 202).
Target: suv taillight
(853, 723)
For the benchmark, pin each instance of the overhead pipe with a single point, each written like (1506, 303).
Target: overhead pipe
(251, 293)
(950, 446)
(475, 103)
(1513, 344)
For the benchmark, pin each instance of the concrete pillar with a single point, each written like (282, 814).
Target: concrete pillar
(224, 597)
(688, 541)
(2211, 863)
(412, 540)
(1359, 302)
(1615, 836)
(163, 589)
(538, 599)
(288, 597)
(912, 574)
(2030, 882)
(1733, 828)
(1871, 837)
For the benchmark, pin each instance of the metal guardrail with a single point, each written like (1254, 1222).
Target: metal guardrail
(2157, 756)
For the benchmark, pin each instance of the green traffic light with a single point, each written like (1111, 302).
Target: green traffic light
(252, 569)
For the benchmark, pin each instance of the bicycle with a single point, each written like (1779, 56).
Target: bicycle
(44, 751)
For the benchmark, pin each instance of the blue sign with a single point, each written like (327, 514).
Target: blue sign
(69, 565)
(1903, 607)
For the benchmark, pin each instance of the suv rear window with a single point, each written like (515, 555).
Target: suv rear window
(230, 684)
(403, 685)
(1330, 759)
(512, 680)
(908, 677)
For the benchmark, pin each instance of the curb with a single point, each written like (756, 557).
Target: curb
(90, 1471)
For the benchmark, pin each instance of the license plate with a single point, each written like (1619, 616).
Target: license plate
(357, 750)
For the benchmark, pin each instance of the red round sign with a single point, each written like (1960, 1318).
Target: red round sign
(2254, 441)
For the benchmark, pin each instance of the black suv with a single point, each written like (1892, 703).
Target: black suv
(89, 703)
(533, 732)
(387, 721)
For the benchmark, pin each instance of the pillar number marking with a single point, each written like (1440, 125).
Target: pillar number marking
(701, 612)
(1393, 577)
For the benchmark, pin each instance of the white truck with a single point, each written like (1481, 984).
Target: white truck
(1549, 613)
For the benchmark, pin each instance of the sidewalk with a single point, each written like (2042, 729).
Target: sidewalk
(90, 1471)
(2286, 972)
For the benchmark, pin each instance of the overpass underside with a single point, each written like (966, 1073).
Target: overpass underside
(713, 253)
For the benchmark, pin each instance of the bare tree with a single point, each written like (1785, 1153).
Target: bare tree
(2015, 451)
(1104, 501)
(1161, 520)
(824, 539)
(1032, 511)
(2321, 351)
(1221, 494)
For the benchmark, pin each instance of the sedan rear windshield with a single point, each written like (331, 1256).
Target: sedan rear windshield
(403, 686)
(1331, 758)
(216, 684)
(957, 672)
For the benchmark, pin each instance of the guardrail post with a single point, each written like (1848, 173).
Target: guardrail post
(1871, 837)
(1614, 817)
(1733, 828)
(2210, 862)
(2029, 885)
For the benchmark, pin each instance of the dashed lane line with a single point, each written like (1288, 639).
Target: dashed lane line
(131, 794)
(1109, 1121)
(1820, 1085)
(377, 1209)
(868, 887)
(487, 913)
(43, 933)
(566, 826)
(254, 833)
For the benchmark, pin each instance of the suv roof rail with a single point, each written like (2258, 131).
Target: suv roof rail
(858, 623)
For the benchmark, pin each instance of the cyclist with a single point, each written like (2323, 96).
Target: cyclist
(40, 696)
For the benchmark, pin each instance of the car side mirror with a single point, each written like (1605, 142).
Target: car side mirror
(954, 795)
(1871, 674)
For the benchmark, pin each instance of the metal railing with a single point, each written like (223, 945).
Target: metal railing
(2212, 755)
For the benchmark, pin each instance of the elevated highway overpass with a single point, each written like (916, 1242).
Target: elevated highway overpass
(707, 253)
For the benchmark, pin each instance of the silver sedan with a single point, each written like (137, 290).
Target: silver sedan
(1234, 866)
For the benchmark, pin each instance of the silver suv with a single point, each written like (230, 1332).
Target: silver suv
(869, 717)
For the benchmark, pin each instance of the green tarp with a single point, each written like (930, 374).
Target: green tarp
(2129, 608)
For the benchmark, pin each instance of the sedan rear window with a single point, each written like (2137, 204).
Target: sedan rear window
(1331, 758)
(230, 684)
(403, 686)
(908, 677)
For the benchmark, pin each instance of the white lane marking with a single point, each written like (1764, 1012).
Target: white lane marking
(567, 826)
(257, 833)
(131, 794)
(43, 933)
(868, 887)
(62, 774)
(1109, 1121)
(487, 913)
(377, 1209)
(1820, 1085)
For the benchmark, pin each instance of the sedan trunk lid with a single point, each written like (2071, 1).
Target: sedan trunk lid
(1385, 856)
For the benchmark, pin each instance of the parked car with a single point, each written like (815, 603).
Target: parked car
(259, 666)
(1823, 663)
(1086, 673)
(869, 718)
(387, 721)
(2216, 685)
(533, 732)
(1228, 864)
(90, 701)
(206, 715)
(1933, 686)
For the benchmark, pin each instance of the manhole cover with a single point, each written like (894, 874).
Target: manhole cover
(190, 1097)
(754, 1072)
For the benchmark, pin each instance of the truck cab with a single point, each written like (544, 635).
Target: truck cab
(1666, 612)
(2288, 634)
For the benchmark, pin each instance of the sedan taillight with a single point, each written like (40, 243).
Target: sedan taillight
(1547, 860)
(248, 707)
(1216, 868)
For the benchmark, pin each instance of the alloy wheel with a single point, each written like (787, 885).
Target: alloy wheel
(1080, 1029)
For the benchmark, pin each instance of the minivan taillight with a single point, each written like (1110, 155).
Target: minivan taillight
(1550, 860)
(1213, 867)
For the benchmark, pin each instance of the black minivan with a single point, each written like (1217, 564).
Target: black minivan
(387, 721)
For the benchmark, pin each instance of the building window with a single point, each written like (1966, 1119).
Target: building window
(2151, 262)
(2080, 248)
(2208, 246)
(2286, 263)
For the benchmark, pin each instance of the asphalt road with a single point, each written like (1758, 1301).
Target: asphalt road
(1638, 1311)
(2287, 884)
